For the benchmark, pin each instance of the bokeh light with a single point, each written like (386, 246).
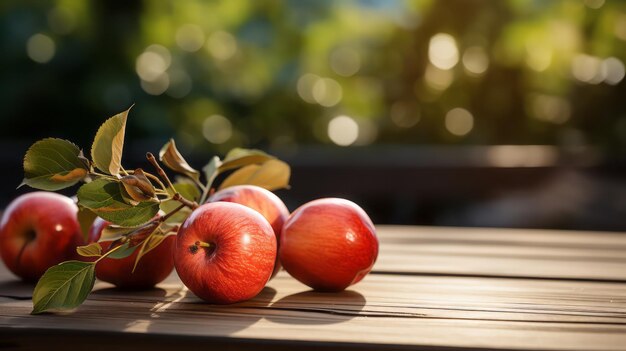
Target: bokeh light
(475, 60)
(190, 37)
(327, 92)
(343, 130)
(40, 48)
(345, 61)
(442, 51)
(459, 121)
(222, 45)
(217, 129)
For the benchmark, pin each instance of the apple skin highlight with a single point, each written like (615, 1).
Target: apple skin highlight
(240, 256)
(38, 230)
(261, 200)
(328, 244)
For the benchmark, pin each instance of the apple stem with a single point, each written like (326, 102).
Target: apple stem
(194, 248)
(203, 244)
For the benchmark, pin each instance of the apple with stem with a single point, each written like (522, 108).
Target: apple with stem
(151, 269)
(261, 200)
(225, 252)
(328, 244)
(38, 230)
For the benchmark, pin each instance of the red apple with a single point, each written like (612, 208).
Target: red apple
(152, 269)
(225, 252)
(261, 200)
(328, 244)
(37, 231)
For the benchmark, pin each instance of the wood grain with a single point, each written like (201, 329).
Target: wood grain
(438, 310)
(503, 253)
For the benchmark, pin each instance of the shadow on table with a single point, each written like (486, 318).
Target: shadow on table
(155, 292)
(311, 307)
(194, 316)
(16, 289)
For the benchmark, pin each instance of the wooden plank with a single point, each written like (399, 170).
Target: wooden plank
(502, 253)
(383, 309)
(426, 303)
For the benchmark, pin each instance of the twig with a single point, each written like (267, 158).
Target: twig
(173, 212)
(160, 171)
(191, 204)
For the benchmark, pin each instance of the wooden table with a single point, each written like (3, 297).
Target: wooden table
(431, 289)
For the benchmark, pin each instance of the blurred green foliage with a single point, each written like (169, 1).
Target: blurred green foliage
(276, 74)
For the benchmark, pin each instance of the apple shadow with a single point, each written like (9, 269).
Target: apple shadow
(192, 314)
(154, 292)
(312, 307)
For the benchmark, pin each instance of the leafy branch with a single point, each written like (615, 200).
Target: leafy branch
(130, 199)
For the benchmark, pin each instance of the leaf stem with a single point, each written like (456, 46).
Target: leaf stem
(105, 176)
(156, 179)
(108, 253)
(198, 183)
(161, 172)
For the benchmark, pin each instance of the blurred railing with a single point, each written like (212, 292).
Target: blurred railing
(504, 186)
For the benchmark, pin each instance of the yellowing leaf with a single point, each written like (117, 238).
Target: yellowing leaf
(53, 164)
(76, 173)
(138, 186)
(106, 151)
(271, 175)
(91, 250)
(239, 157)
(173, 159)
(240, 176)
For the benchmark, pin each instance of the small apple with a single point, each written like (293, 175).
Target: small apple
(38, 230)
(328, 244)
(225, 252)
(151, 269)
(261, 200)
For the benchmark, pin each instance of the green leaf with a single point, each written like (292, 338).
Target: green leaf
(64, 286)
(173, 159)
(53, 164)
(271, 175)
(91, 250)
(123, 252)
(104, 197)
(85, 217)
(239, 157)
(211, 170)
(188, 191)
(106, 151)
